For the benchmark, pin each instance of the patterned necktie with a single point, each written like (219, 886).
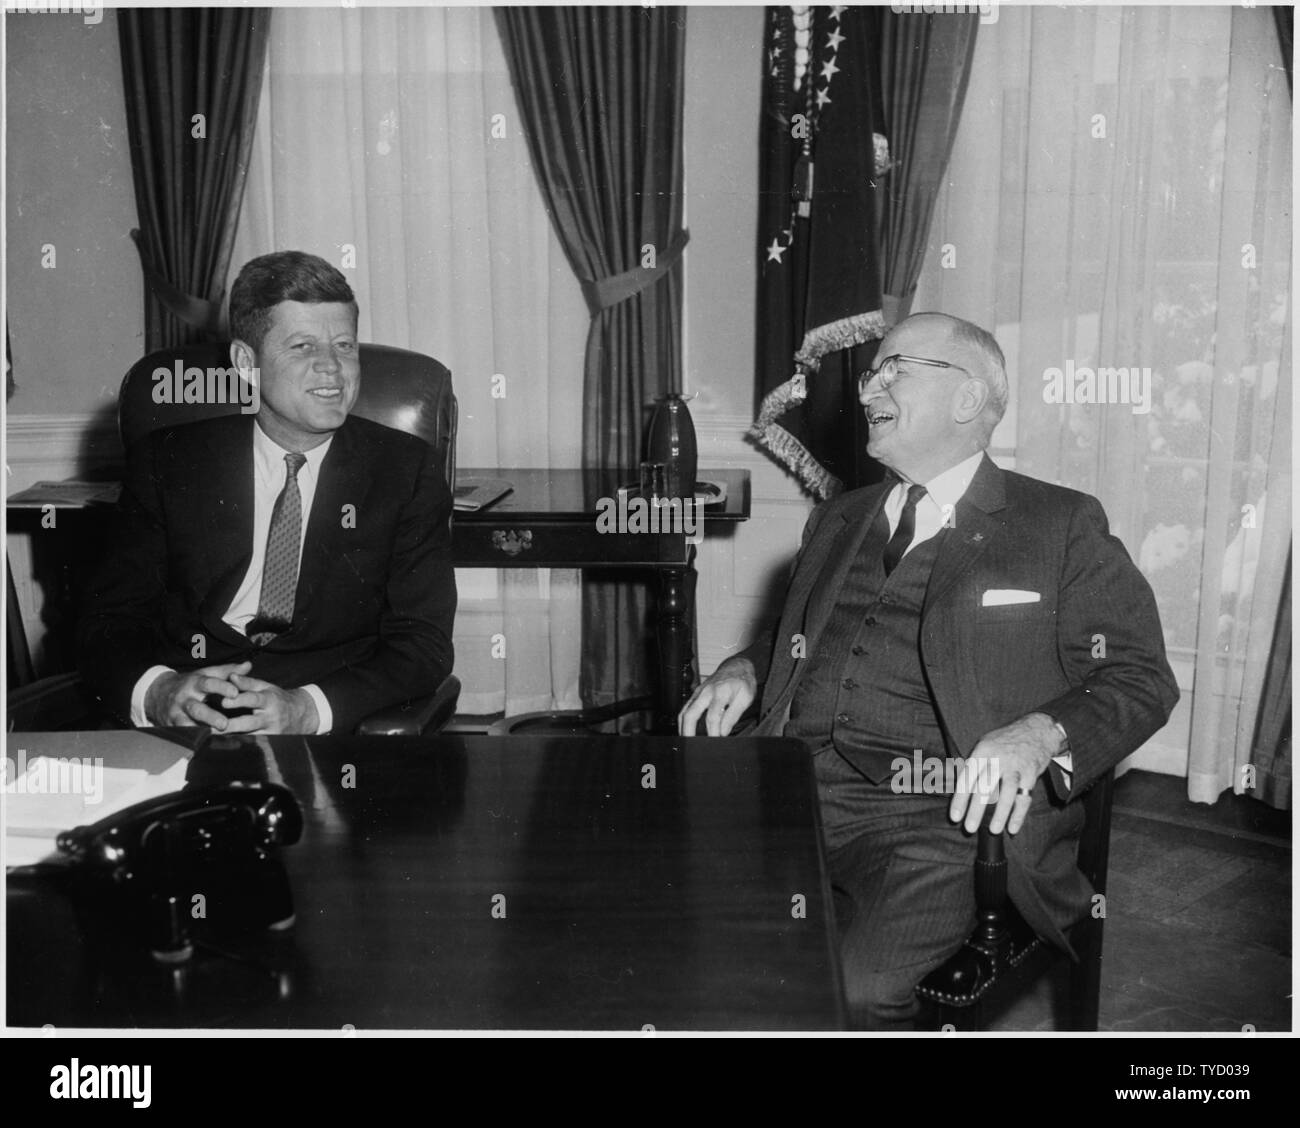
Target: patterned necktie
(906, 528)
(280, 569)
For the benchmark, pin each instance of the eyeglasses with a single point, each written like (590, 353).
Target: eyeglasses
(889, 374)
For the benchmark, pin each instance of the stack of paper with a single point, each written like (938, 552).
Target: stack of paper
(52, 794)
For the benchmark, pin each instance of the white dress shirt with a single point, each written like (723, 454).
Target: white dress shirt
(269, 471)
(937, 508)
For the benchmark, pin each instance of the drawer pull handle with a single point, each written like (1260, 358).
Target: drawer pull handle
(512, 543)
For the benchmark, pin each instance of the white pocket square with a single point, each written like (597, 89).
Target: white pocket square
(1001, 597)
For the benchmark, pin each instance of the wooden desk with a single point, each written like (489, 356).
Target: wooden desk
(624, 906)
(549, 521)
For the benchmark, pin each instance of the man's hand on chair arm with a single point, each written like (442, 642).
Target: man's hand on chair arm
(1002, 769)
(721, 699)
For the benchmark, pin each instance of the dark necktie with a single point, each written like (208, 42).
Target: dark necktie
(280, 569)
(906, 528)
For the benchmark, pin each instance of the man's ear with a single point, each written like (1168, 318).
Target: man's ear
(242, 357)
(969, 400)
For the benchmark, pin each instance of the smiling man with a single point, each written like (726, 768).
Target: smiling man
(956, 613)
(288, 572)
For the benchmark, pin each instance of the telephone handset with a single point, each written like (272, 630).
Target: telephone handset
(202, 859)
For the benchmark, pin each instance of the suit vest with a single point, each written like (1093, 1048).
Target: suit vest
(864, 688)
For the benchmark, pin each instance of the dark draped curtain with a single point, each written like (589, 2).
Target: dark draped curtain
(925, 67)
(1284, 18)
(191, 79)
(1271, 751)
(600, 94)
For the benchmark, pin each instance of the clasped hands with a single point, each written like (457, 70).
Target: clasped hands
(177, 698)
(1002, 768)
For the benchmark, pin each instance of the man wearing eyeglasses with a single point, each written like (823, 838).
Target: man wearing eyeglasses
(955, 640)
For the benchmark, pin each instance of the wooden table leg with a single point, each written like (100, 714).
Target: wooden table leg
(675, 629)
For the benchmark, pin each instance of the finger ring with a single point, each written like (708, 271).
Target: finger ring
(1024, 790)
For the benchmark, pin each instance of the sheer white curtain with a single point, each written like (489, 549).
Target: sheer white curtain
(1119, 197)
(388, 143)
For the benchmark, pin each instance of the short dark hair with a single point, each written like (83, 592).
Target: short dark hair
(283, 276)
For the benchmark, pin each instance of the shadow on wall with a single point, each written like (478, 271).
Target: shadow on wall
(66, 545)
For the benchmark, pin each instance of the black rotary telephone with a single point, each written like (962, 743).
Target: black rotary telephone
(200, 861)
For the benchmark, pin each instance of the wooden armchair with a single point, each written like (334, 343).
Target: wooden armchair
(959, 991)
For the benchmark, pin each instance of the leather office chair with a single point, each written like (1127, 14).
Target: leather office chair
(959, 992)
(405, 390)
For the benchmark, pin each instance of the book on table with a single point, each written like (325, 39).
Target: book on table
(473, 494)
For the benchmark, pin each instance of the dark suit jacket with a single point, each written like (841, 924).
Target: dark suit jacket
(376, 594)
(1090, 653)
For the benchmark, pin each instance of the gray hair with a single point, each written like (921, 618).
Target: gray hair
(985, 345)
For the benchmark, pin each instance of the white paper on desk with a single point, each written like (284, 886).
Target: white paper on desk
(53, 794)
(65, 495)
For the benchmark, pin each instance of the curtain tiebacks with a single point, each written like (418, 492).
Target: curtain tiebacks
(602, 293)
(198, 313)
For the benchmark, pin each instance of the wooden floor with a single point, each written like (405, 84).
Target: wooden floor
(1198, 925)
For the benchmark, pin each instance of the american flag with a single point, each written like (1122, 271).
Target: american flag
(823, 153)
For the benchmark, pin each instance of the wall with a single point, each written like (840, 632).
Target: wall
(724, 73)
(74, 329)
(742, 574)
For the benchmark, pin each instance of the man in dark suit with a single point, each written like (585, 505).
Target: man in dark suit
(284, 572)
(957, 638)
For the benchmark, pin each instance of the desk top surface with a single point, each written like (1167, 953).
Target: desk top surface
(537, 494)
(575, 494)
(491, 883)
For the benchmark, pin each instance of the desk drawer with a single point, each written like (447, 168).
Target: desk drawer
(542, 544)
